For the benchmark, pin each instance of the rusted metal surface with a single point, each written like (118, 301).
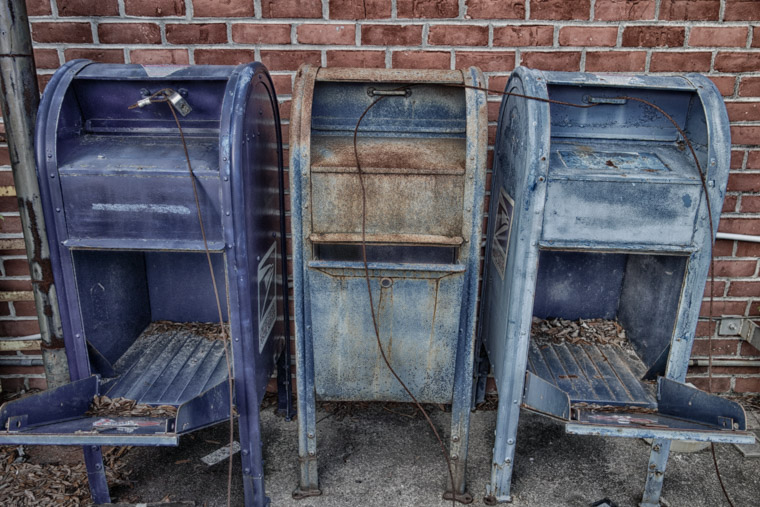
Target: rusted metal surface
(19, 98)
(423, 155)
(389, 75)
(386, 155)
(408, 239)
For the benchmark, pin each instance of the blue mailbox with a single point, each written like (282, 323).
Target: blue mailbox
(599, 213)
(422, 148)
(131, 267)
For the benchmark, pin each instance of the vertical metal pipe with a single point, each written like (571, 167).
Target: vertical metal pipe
(19, 98)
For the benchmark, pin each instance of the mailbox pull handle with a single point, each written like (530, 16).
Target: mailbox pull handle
(374, 92)
(588, 99)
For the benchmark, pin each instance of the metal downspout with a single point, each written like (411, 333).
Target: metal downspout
(19, 98)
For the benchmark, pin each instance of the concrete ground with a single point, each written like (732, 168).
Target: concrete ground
(374, 457)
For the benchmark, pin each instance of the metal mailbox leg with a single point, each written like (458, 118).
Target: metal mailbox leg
(96, 474)
(252, 460)
(460, 423)
(658, 460)
(284, 393)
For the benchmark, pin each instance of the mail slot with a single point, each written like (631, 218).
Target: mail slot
(597, 255)
(131, 263)
(422, 148)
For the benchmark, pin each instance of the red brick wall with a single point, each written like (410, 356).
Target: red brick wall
(720, 38)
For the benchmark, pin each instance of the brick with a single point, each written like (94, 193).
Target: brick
(746, 134)
(283, 84)
(25, 308)
(12, 385)
(95, 54)
(723, 308)
(18, 327)
(16, 267)
(753, 160)
(497, 83)
(737, 159)
(560, 9)
(744, 289)
(62, 32)
(653, 36)
(421, 60)
(291, 8)
(552, 60)
(196, 33)
(706, 328)
(743, 111)
(488, 61)
(740, 225)
(525, 35)
(729, 61)
(747, 385)
(725, 84)
(248, 33)
(616, 61)
(719, 289)
(756, 37)
(11, 225)
(223, 56)
(38, 8)
(681, 62)
(743, 182)
(749, 87)
(495, 9)
(88, 8)
(747, 350)
(735, 268)
(129, 33)
(720, 347)
(588, 35)
(719, 384)
(703, 10)
(159, 56)
(427, 8)
(624, 10)
(5, 309)
(391, 35)
(363, 59)
(741, 10)
(718, 36)
(223, 8)
(754, 308)
(729, 204)
(289, 60)
(360, 9)
(156, 8)
(458, 35)
(327, 34)
(46, 58)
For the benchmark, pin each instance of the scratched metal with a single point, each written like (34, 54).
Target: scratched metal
(126, 250)
(423, 153)
(609, 221)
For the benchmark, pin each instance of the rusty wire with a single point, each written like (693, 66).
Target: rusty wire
(703, 181)
(163, 96)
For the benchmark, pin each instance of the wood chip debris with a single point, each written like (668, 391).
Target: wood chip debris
(30, 484)
(580, 332)
(103, 406)
(628, 409)
(208, 330)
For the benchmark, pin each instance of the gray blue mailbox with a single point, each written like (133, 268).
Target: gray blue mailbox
(598, 216)
(422, 149)
(130, 264)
